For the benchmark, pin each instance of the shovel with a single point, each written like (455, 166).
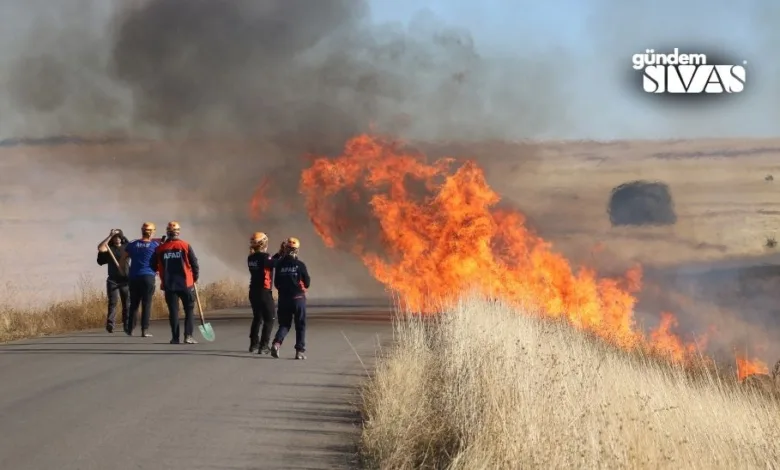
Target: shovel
(205, 328)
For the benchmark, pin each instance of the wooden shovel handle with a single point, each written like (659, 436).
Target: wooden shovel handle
(197, 299)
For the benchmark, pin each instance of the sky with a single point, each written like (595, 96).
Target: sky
(497, 24)
(593, 41)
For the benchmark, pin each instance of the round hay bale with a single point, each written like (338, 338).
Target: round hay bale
(641, 203)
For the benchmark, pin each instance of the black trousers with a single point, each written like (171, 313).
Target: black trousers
(262, 302)
(141, 294)
(117, 292)
(187, 298)
(292, 311)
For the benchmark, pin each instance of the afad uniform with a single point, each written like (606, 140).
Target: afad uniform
(291, 280)
(177, 265)
(261, 270)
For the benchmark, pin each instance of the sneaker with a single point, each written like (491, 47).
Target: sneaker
(275, 350)
(144, 334)
(300, 356)
(174, 341)
(264, 350)
(109, 328)
(254, 346)
(190, 340)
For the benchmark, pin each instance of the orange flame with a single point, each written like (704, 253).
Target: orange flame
(447, 235)
(746, 367)
(455, 238)
(260, 201)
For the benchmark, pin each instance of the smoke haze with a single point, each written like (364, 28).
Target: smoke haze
(244, 89)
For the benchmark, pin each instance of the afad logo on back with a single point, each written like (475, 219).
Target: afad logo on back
(682, 73)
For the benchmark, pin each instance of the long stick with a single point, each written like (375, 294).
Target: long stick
(200, 309)
(116, 263)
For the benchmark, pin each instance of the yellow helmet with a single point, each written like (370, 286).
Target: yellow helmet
(173, 229)
(148, 228)
(293, 243)
(258, 240)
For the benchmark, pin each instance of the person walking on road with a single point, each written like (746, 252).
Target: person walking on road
(141, 278)
(116, 283)
(261, 265)
(291, 279)
(179, 270)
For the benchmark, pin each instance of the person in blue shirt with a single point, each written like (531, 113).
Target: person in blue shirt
(141, 277)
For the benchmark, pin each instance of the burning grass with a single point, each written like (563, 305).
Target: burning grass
(88, 310)
(484, 387)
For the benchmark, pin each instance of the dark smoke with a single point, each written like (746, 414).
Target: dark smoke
(207, 67)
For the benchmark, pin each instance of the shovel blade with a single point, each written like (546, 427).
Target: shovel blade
(207, 331)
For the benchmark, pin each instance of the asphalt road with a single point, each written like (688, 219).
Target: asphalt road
(108, 401)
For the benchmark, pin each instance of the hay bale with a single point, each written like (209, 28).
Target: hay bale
(641, 203)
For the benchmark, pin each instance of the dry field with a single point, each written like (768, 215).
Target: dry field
(725, 207)
(486, 387)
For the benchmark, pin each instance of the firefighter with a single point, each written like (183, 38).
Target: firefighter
(291, 279)
(116, 283)
(261, 265)
(141, 277)
(177, 265)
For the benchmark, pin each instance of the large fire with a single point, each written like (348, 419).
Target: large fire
(437, 230)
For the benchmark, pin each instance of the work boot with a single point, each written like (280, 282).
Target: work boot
(275, 350)
(144, 334)
(264, 349)
(109, 328)
(300, 356)
(175, 341)
(190, 340)
(254, 345)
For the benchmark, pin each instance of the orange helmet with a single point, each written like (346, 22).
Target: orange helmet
(173, 229)
(258, 241)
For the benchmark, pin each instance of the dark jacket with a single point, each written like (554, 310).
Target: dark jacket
(261, 266)
(104, 258)
(177, 265)
(291, 278)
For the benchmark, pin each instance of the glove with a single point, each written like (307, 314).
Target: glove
(162, 239)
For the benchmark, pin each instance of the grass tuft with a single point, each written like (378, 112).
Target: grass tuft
(483, 387)
(89, 308)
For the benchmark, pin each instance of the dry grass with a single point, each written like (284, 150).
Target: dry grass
(88, 310)
(485, 388)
